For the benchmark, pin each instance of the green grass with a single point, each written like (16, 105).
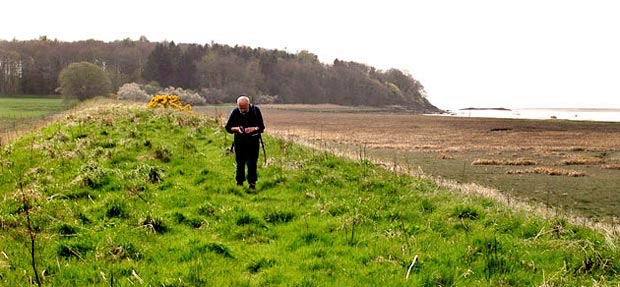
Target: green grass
(19, 112)
(29, 107)
(122, 195)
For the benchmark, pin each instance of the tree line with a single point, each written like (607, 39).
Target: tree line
(32, 68)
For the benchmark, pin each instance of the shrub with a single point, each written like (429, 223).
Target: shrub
(133, 92)
(167, 101)
(265, 99)
(83, 81)
(187, 96)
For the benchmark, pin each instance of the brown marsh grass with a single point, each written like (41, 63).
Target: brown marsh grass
(446, 134)
(581, 160)
(611, 166)
(446, 147)
(548, 171)
(520, 161)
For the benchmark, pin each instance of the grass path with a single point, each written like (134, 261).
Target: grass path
(120, 195)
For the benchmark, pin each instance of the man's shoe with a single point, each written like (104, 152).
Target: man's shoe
(239, 183)
(252, 186)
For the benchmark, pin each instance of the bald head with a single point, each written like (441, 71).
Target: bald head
(243, 99)
(243, 102)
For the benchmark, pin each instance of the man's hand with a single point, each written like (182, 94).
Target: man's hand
(239, 130)
(242, 130)
(250, 130)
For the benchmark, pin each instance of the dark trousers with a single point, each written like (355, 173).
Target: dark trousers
(246, 154)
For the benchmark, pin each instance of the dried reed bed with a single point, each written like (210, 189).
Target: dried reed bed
(410, 132)
(521, 161)
(549, 171)
(581, 160)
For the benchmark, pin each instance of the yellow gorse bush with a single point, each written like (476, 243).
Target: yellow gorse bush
(168, 101)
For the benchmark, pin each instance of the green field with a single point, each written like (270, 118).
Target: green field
(29, 107)
(123, 196)
(18, 113)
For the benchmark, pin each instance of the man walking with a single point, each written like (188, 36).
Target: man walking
(246, 122)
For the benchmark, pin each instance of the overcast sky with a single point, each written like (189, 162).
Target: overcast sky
(481, 53)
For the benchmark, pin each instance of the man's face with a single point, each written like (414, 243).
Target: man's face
(244, 107)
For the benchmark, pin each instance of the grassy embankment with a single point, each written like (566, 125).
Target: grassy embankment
(121, 195)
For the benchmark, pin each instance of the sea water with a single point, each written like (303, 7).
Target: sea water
(603, 115)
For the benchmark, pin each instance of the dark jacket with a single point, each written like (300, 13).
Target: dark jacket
(253, 118)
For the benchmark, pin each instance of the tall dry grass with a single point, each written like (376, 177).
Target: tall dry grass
(521, 161)
(549, 171)
(444, 134)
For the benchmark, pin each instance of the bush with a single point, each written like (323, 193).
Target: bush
(186, 96)
(133, 92)
(83, 81)
(265, 99)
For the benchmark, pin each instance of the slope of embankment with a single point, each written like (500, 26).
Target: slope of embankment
(120, 195)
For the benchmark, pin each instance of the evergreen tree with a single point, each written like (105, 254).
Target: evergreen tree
(159, 66)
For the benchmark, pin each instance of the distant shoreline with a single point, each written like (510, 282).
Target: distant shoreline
(610, 110)
(594, 110)
(484, 109)
(575, 114)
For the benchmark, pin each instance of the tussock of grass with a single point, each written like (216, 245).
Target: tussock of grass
(520, 161)
(314, 220)
(445, 156)
(549, 171)
(611, 166)
(581, 161)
